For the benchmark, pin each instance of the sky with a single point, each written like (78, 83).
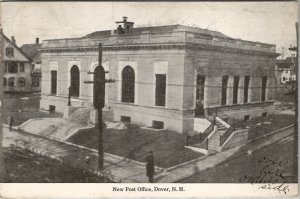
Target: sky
(267, 22)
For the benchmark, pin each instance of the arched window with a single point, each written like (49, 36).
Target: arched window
(128, 79)
(4, 81)
(75, 81)
(21, 82)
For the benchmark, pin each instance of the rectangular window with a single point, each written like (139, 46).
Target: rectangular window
(125, 119)
(263, 115)
(246, 117)
(11, 82)
(35, 81)
(9, 51)
(246, 88)
(21, 67)
(224, 90)
(5, 67)
(53, 82)
(236, 81)
(12, 67)
(263, 88)
(160, 90)
(21, 82)
(51, 108)
(157, 124)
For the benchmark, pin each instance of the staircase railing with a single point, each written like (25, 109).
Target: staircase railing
(201, 138)
(226, 135)
(234, 125)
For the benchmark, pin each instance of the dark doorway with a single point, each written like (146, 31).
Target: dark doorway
(224, 90)
(53, 82)
(75, 81)
(128, 79)
(199, 111)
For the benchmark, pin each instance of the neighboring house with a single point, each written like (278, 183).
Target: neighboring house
(165, 75)
(17, 67)
(285, 70)
(31, 50)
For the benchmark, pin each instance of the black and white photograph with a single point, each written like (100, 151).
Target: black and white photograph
(138, 95)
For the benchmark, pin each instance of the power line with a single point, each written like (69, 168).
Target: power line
(187, 85)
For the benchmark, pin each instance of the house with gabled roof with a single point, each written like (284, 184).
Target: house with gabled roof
(16, 67)
(31, 51)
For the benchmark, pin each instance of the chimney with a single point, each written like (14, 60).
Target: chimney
(125, 25)
(37, 40)
(13, 40)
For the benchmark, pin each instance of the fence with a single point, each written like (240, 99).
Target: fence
(201, 138)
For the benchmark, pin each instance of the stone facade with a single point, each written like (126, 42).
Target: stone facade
(177, 52)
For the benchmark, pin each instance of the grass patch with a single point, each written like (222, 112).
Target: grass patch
(27, 167)
(269, 124)
(134, 143)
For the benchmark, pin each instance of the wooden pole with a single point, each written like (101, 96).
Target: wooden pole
(100, 126)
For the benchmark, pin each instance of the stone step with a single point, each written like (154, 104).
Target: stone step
(81, 116)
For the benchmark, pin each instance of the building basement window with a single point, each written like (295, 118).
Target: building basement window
(160, 90)
(125, 119)
(263, 115)
(51, 108)
(157, 124)
(246, 117)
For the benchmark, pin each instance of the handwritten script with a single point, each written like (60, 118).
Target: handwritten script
(270, 172)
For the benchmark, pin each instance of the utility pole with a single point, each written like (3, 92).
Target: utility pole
(99, 102)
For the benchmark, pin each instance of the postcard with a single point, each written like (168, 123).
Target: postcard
(148, 99)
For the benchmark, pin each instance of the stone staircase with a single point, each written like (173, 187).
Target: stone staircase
(214, 141)
(80, 116)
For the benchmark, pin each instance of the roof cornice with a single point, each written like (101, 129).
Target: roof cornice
(158, 46)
